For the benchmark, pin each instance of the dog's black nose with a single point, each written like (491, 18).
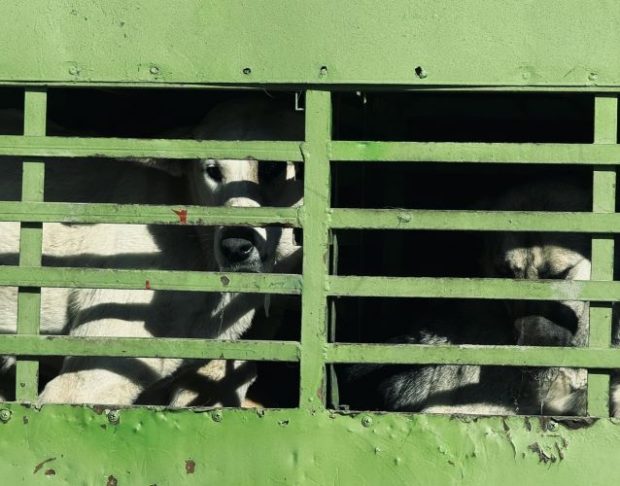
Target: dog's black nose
(237, 244)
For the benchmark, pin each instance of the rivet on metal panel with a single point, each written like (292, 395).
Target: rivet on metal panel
(552, 426)
(114, 417)
(247, 71)
(593, 76)
(366, 421)
(154, 70)
(74, 70)
(5, 415)
(323, 71)
(420, 72)
(217, 416)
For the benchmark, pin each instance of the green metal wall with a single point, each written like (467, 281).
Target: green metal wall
(467, 44)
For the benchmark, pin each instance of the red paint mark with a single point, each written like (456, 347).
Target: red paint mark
(39, 466)
(182, 214)
(190, 466)
(147, 285)
(112, 481)
(50, 472)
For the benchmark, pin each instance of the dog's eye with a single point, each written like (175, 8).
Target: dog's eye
(269, 171)
(213, 171)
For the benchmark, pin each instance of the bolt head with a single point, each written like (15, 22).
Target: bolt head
(114, 417)
(366, 421)
(5, 415)
(217, 416)
(154, 70)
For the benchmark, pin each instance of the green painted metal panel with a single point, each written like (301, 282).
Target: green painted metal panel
(148, 347)
(602, 254)
(150, 279)
(474, 288)
(317, 186)
(411, 43)
(31, 241)
(404, 219)
(599, 358)
(137, 148)
(80, 445)
(475, 153)
(49, 212)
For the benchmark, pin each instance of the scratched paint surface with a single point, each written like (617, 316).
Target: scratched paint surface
(141, 446)
(421, 43)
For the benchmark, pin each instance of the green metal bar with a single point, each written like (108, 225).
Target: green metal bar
(599, 358)
(316, 248)
(128, 148)
(148, 348)
(403, 219)
(49, 212)
(152, 279)
(477, 153)
(474, 288)
(604, 201)
(31, 238)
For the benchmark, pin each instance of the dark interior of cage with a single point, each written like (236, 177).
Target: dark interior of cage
(375, 116)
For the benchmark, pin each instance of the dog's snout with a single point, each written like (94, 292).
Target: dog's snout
(237, 244)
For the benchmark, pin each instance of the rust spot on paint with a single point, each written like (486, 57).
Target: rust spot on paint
(112, 481)
(50, 472)
(39, 466)
(225, 280)
(147, 285)
(182, 214)
(190, 466)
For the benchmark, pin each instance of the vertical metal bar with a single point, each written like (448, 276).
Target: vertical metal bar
(334, 393)
(31, 237)
(316, 248)
(603, 201)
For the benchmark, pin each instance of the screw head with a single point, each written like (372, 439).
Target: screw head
(154, 70)
(74, 71)
(247, 71)
(217, 416)
(5, 415)
(114, 416)
(366, 421)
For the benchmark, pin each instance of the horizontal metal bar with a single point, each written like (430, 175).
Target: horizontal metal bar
(474, 355)
(28, 345)
(150, 279)
(145, 214)
(127, 148)
(496, 153)
(474, 288)
(405, 219)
